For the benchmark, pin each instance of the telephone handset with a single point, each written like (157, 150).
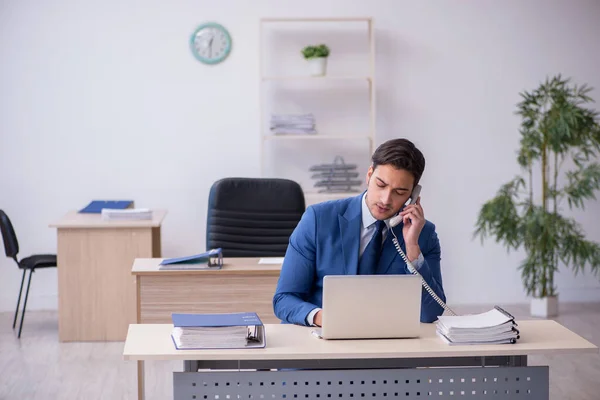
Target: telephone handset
(412, 200)
(395, 221)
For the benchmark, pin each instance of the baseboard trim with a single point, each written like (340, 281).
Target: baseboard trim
(43, 302)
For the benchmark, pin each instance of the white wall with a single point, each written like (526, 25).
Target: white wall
(103, 100)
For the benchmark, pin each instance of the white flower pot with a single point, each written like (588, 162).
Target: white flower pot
(317, 66)
(544, 307)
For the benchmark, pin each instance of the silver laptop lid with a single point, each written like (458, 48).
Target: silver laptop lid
(371, 306)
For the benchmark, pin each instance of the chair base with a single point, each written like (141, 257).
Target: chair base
(19, 300)
(31, 271)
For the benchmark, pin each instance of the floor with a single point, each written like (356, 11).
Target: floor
(37, 366)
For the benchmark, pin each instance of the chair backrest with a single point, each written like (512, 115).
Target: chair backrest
(11, 244)
(253, 217)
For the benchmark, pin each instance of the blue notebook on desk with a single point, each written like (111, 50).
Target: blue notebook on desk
(215, 320)
(96, 206)
(212, 259)
(218, 331)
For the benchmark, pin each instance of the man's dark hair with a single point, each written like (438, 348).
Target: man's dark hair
(401, 154)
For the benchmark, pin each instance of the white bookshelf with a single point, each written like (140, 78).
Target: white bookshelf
(319, 136)
(363, 137)
(319, 78)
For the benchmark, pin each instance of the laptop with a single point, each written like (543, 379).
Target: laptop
(371, 307)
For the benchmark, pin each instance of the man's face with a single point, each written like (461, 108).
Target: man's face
(388, 189)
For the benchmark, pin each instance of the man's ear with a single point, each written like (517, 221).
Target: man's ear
(369, 173)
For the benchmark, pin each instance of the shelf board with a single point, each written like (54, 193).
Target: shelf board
(323, 78)
(312, 136)
(323, 19)
(315, 197)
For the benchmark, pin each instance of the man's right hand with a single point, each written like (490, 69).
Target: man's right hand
(318, 318)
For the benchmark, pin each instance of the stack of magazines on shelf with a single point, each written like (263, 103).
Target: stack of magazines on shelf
(293, 124)
(492, 327)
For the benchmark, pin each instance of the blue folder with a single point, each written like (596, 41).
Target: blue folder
(215, 320)
(96, 206)
(214, 258)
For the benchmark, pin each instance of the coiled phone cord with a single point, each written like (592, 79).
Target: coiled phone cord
(413, 270)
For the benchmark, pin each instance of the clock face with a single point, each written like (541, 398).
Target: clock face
(210, 43)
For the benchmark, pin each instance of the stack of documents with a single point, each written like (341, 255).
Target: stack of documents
(127, 214)
(293, 124)
(492, 327)
(218, 331)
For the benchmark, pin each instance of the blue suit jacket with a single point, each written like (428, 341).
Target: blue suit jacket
(327, 242)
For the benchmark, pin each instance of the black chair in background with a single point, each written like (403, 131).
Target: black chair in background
(31, 263)
(253, 217)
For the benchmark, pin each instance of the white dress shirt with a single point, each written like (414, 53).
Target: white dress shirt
(366, 232)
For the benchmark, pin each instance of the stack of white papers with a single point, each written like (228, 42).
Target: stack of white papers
(218, 331)
(127, 214)
(492, 327)
(224, 337)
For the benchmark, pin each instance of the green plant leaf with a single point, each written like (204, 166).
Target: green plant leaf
(582, 184)
(320, 50)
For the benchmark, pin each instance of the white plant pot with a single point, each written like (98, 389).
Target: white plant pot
(317, 66)
(544, 307)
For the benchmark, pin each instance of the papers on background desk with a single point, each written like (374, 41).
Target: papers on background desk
(492, 327)
(271, 260)
(127, 214)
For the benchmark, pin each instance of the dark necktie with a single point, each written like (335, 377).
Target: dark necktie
(370, 257)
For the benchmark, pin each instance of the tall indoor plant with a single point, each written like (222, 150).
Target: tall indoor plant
(560, 140)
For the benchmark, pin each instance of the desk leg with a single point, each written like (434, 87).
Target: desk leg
(518, 361)
(140, 380)
(191, 366)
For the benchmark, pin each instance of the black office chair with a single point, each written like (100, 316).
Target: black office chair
(253, 217)
(31, 263)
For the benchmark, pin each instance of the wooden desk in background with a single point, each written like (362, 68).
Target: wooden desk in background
(241, 285)
(96, 294)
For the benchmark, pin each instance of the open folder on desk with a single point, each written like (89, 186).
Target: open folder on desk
(96, 206)
(212, 259)
(218, 331)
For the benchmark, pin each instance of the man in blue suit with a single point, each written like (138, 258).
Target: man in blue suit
(347, 237)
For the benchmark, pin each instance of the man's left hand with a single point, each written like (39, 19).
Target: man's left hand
(414, 221)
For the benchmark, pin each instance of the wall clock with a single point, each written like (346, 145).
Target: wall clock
(210, 43)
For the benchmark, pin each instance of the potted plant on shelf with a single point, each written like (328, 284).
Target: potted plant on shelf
(558, 134)
(317, 58)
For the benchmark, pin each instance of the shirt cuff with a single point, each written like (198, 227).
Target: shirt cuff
(310, 319)
(419, 261)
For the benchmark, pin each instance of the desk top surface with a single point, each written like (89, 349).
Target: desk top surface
(292, 342)
(231, 266)
(74, 219)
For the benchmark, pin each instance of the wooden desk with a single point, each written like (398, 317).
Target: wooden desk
(96, 294)
(348, 368)
(241, 285)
